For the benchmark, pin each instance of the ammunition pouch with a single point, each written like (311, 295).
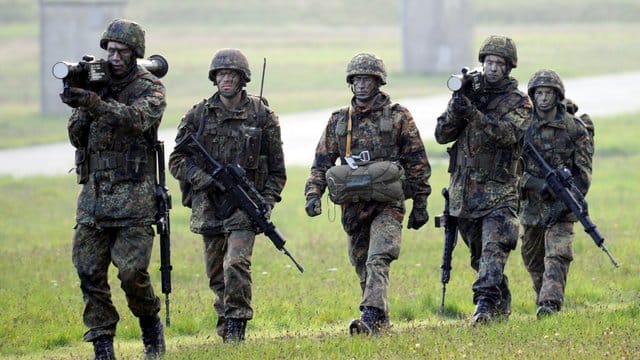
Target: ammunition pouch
(495, 167)
(378, 181)
(82, 165)
(128, 166)
(261, 173)
(251, 147)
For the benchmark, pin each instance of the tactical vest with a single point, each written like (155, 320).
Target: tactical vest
(250, 154)
(127, 157)
(493, 163)
(384, 151)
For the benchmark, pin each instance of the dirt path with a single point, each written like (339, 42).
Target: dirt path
(598, 96)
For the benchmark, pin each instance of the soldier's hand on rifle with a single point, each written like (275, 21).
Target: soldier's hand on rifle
(313, 207)
(268, 203)
(419, 215)
(77, 97)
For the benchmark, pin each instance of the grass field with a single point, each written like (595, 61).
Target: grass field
(305, 315)
(307, 45)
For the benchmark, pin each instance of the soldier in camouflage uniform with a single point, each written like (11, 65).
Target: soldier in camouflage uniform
(563, 141)
(487, 127)
(114, 133)
(373, 228)
(235, 128)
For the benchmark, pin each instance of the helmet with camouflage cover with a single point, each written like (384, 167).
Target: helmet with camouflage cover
(547, 78)
(366, 64)
(127, 32)
(232, 59)
(501, 46)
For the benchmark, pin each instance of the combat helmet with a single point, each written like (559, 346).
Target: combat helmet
(548, 78)
(366, 64)
(126, 32)
(229, 59)
(501, 46)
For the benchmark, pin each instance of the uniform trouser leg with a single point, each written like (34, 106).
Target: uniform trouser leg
(490, 240)
(91, 255)
(215, 247)
(558, 256)
(131, 254)
(371, 251)
(228, 265)
(130, 250)
(532, 250)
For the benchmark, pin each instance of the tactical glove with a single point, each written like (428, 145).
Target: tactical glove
(77, 97)
(313, 206)
(460, 105)
(419, 215)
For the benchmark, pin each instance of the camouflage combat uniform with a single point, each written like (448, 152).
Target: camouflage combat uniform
(115, 162)
(483, 189)
(373, 228)
(548, 234)
(249, 136)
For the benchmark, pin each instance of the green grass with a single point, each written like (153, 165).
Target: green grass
(305, 315)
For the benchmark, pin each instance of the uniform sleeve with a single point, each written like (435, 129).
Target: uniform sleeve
(143, 114)
(413, 158)
(181, 164)
(582, 159)
(277, 176)
(327, 152)
(449, 127)
(78, 128)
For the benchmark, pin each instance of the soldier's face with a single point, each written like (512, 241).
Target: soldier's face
(120, 57)
(228, 82)
(495, 68)
(544, 98)
(365, 87)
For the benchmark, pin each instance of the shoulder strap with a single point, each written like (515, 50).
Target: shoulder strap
(200, 116)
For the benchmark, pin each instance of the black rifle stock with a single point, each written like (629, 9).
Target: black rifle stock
(164, 229)
(564, 189)
(450, 225)
(232, 182)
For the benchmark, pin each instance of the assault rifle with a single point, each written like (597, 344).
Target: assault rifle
(563, 187)
(233, 185)
(93, 74)
(450, 225)
(163, 227)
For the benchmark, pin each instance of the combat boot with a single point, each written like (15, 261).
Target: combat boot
(547, 308)
(483, 312)
(234, 333)
(152, 336)
(370, 322)
(503, 307)
(103, 348)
